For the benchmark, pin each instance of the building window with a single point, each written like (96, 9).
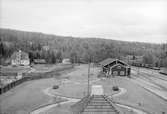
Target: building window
(115, 73)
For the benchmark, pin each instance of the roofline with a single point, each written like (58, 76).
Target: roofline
(116, 61)
(105, 60)
(118, 64)
(123, 62)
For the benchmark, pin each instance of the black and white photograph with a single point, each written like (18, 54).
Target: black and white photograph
(83, 56)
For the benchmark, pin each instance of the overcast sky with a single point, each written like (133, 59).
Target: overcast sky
(129, 20)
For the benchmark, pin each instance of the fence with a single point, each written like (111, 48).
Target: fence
(8, 74)
(32, 76)
(11, 85)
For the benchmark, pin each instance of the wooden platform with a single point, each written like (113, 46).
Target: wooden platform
(99, 104)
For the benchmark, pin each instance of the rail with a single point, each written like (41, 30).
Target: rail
(97, 104)
(147, 76)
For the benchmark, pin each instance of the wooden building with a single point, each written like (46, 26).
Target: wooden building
(39, 61)
(66, 61)
(20, 58)
(115, 67)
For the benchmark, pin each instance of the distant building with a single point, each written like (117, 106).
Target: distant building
(39, 61)
(134, 60)
(66, 61)
(46, 48)
(115, 67)
(20, 58)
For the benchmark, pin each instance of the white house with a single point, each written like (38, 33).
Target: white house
(20, 58)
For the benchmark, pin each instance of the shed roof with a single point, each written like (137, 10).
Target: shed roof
(106, 61)
(42, 61)
(110, 60)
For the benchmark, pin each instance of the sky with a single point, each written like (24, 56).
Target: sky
(127, 20)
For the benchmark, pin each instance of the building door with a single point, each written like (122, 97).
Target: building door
(115, 73)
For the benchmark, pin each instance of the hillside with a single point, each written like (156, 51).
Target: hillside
(37, 45)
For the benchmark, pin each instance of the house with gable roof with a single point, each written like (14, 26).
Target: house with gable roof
(115, 67)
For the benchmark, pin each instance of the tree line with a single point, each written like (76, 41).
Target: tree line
(54, 48)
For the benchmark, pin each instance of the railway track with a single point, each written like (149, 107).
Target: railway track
(147, 76)
(160, 77)
(152, 75)
(100, 104)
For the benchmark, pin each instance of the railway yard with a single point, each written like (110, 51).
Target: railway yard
(152, 81)
(144, 93)
(83, 57)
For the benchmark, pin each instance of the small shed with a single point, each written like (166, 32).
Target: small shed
(39, 61)
(66, 61)
(115, 67)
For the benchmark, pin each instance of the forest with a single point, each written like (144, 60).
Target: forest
(54, 48)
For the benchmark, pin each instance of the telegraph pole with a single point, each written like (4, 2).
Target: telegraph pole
(93, 64)
(138, 71)
(88, 77)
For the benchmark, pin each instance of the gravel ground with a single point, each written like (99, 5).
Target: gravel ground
(138, 97)
(29, 95)
(26, 97)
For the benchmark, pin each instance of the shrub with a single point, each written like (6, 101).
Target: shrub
(55, 87)
(115, 88)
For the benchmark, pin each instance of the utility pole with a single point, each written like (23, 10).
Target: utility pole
(93, 63)
(161, 47)
(88, 77)
(138, 71)
(74, 60)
